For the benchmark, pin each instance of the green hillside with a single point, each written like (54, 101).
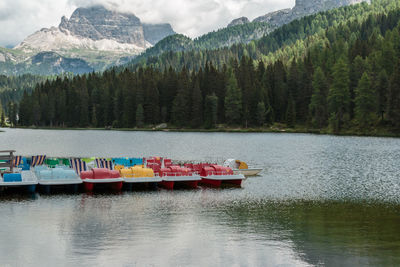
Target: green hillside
(287, 42)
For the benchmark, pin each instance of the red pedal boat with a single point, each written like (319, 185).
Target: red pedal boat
(178, 175)
(173, 175)
(216, 175)
(105, 177)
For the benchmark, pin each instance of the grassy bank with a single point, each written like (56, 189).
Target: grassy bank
(277, 128)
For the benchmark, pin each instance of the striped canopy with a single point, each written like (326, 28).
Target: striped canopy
(17, 161)
(103, 163)
(78, 165)
(38, 160)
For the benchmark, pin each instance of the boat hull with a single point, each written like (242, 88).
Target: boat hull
(114, 184)
(28, 183)
(247, 172)
(169, 182)
(220, 180)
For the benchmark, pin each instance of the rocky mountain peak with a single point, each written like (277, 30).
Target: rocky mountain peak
(97, 28)
(239, 21)
(95, 36)
(98, 23)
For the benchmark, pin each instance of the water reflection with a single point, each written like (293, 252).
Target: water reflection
(182, 228)
(327, 233)
(202, 229)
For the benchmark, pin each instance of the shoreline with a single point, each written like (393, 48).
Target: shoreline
(299, 130)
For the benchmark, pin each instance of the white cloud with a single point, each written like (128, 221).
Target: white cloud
(20, 18)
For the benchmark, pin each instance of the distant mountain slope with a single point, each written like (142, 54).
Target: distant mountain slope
(93, 38)
(242, 31)
(43, 63)
(303, 8)
(226, 37)
(265, 48)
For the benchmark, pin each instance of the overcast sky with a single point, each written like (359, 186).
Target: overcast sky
(20, 18)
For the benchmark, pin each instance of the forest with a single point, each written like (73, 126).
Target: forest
(345, 77)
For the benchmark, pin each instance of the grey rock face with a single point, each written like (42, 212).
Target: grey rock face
(239, 21)
(154, 33)
(99, 23)
(303, 8)
(275, 18)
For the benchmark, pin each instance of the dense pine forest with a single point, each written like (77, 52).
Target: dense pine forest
(12, 89)
(337, 71)
(285, 43)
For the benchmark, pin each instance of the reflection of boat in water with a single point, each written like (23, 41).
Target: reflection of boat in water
(240, 167)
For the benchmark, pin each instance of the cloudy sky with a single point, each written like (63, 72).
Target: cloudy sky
(20, 18)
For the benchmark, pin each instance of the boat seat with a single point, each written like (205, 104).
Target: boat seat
(58, 173)
(126, 173)
(12, 177)
(45, 174)
(70, 174)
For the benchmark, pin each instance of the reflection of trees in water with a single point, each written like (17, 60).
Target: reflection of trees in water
(329, 233)
(104, 226)
(179, 227)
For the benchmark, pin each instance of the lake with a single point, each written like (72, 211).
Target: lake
(320, 201)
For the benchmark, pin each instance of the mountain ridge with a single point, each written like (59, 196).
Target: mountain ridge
(302, 8)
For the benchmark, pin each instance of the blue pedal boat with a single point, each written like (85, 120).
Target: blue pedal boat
(58, 176)
(15, 177)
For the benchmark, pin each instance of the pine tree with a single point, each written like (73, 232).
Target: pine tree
(94, 117)
(233, 100)
(52, 107)
(382, 90)
(84, 108)
(36, 112)
(261, 113)
(139, 116)
(11, 113)
(394, 98)
(181, 107)
(291, 112)
(318, 106)
(2, 120)
(197, 106)
(210, 111)
(2, 117)
(339, 95)
(164, 114)
(365, 101)
(357, 69)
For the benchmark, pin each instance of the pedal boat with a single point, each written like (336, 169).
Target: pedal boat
(177, 175)
(60, 177)
(240, 167)
(216, 176)
(101, 177)
(20, 179)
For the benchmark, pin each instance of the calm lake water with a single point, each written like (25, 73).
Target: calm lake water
(320, 201)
